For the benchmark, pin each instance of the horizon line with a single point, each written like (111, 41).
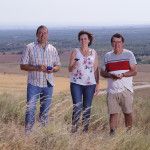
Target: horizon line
(2, 27)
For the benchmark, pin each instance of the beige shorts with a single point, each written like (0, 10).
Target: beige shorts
(122, 100)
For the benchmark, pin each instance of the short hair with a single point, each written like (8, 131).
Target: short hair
(40, 27)
(90, 36)
(117, 35)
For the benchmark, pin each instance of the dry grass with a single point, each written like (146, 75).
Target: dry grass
(57, 136)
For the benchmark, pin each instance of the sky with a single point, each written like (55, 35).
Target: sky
(56, 13)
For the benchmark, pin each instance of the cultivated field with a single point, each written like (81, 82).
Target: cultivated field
(9, 63)
(16, 83)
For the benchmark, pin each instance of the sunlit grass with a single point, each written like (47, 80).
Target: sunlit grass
(57, 134)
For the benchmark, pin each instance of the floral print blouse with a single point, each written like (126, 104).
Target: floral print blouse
(83, 73)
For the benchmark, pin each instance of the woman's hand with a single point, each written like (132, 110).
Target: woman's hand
(97, 90)
(73, 61)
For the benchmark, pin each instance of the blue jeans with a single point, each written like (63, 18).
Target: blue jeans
(33, 94)
(82, 104)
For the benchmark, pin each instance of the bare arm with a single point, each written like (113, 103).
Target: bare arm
(96, 69)
(131, 72)
(40, 68)
(72, 62)
(106, 74)
(28, 67)
(97, 75)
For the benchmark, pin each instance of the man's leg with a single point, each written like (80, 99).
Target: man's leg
(127, 108)
(76, 93)
(113, 122)
(32, 97)
(113, 110)
(128, 121)
(45, 102)
(88, 94)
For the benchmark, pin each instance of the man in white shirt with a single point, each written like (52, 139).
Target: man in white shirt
(119, 66)
(41, 60)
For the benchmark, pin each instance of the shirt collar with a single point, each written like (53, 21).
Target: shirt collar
(39, 45)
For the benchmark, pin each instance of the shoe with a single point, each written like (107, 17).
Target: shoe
(128, 131)
(85, 129)
(74, 129)
(112, 132)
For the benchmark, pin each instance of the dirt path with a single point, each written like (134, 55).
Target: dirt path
(141, 86)
(135, 88)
